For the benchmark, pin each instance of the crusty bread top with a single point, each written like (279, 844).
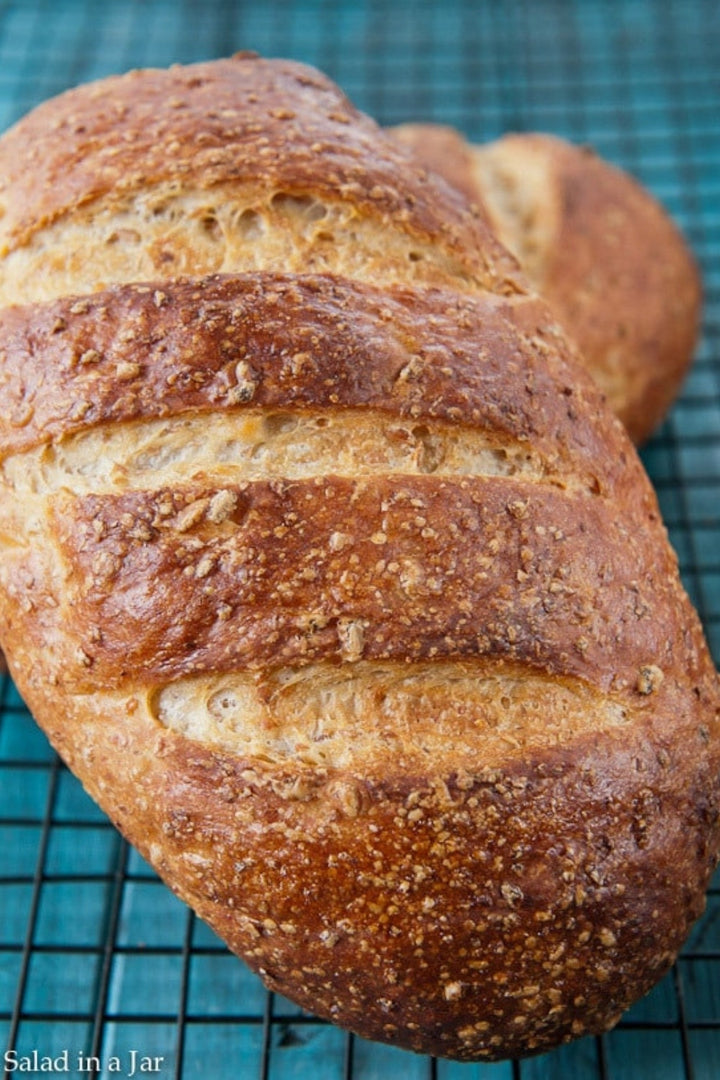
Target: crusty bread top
(272, 127)
(353, 372)
(444, 150)
(296, 491)
(288, 341)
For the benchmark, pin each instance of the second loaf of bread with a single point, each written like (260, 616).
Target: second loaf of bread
(333, 579)
(597, 246)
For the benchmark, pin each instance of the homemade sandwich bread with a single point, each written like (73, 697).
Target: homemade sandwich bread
(326, 569)
(597, 246)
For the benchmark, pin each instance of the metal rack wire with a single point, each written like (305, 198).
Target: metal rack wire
(96, 956)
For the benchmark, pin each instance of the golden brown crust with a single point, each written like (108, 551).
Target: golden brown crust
(283, 341)
(472, 915)
(443, 150)
(246, 121)
(598, 247)
(243, 647)
(419, 559)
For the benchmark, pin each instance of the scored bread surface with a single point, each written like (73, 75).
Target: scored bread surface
(160, 173)
(325, 568)
(597, 246)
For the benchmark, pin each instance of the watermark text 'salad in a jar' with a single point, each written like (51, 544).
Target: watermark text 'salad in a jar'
(129, 1064)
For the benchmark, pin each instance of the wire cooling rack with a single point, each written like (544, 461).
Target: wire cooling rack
(97, 958)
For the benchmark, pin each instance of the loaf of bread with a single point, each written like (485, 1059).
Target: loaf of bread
(597, 246)
(326, 569)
